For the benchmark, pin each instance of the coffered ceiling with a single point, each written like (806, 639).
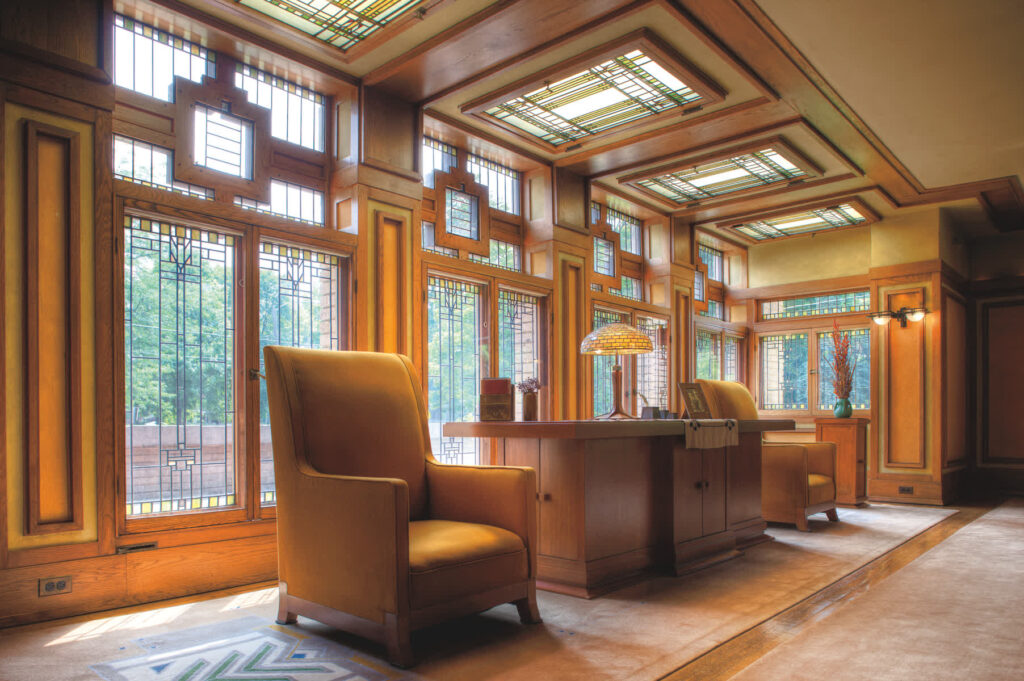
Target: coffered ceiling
(891, 104)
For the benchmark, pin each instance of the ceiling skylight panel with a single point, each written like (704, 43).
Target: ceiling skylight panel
(843, 215)
(341, 23)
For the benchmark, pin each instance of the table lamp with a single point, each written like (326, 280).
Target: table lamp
(616, 339)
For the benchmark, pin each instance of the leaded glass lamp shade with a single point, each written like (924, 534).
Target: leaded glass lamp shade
(616, 339)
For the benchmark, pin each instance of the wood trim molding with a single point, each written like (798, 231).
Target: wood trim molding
(464, 181)
(54, 199)
(392, 307)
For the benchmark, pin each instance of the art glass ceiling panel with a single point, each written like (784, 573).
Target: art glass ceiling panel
(616, 91)
(743, 171)
(843, 215)
(341, 23)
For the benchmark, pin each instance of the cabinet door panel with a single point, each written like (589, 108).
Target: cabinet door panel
(713, 502)
(688, 477)
(561, 498)
(744, 471)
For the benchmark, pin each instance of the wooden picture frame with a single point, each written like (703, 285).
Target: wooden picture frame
(695, 401)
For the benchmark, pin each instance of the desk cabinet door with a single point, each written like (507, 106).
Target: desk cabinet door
(713, 502)
(688, 488)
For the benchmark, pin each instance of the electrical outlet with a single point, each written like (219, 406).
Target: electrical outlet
(51, 586)
(906, 489)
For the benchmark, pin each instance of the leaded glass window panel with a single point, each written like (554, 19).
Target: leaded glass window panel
(616, 91)
(427, 242)
(715, 310)
(296, 113)
(652, 368)
(462, 216)
(843, 215)
(784, 371)
(147, 60)
(604, 256)
(299, 308)
(712, 258)
(503, 183)
(630, 288)
(341, 23)
(743, 171)
(152, 166)
(292, 201)
(454, 339)
(731, 359)
(628, 229)
(519, 339)
(222, 142)
(503, 254)
(698, 285)
(860, 357)
(814, 306)
(436, 156)
(603, 395)
(709, 355)
(179, 317)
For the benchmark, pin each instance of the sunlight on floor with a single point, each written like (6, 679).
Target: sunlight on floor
(134, 621)
(251, 599)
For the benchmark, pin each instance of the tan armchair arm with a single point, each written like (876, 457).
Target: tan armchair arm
(343, 541)
(503, 496)
(821, 458)
(784, 472)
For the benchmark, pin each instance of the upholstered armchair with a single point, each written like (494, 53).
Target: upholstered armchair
(797, 478)
(374, 536)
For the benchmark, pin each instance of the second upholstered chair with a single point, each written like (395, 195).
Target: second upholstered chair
(374, 536)
(797, 478)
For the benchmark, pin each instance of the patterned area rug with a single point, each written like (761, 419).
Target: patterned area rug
(246, 649)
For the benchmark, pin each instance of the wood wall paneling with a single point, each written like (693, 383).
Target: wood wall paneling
(52, 340)
(391, 129)
(570, 200)
(905, 385)
(570, 327)
(391, 301)
(1002, 399)
(955, 389)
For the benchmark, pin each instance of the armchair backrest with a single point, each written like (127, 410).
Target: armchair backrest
(348, 413)
(729, 400)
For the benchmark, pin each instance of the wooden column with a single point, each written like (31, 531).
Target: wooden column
(850, 436)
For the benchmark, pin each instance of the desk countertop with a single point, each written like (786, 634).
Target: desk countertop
(592, 430)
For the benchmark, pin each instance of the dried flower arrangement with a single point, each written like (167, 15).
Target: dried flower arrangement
(842, 369)
(529, 385)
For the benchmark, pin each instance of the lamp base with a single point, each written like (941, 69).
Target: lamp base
(617, 413)
(615, 416)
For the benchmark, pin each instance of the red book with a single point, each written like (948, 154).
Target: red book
(495, 386)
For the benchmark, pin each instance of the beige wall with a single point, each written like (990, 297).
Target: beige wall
(907, 237)
(820, 256)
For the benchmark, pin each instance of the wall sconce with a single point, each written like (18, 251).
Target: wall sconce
(904, 314)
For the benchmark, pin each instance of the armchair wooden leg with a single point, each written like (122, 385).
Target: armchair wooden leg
(398, 642)
(527, 607)
(284, 616)
(801, 523)
(833, 515)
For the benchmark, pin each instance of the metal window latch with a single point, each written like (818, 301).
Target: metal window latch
(254, 374)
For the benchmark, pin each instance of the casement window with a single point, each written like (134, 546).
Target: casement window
(708, 349)
(646, 375)
(436, 156)
(151, 166)
(520, 338)
(503, 183)
(860, 357)
(296, 113)
(602, 371)
(147, 60)
(713, 258)
(291, 201)
(652, 370)
(796, 372)
(784, 371)
(503, 255)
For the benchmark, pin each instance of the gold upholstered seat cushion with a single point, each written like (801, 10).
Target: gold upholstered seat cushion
(820, 489)
(450, 559)
(729, 400)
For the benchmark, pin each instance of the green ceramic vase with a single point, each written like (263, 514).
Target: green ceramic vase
(843, 409)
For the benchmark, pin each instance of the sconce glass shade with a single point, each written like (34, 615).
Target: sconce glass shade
(881, 318)
(916, 314)
(616, 339)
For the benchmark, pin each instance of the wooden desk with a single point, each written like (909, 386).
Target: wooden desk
(619, 499)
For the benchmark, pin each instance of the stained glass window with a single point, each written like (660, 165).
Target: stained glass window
(698, 285)
(604, 256)
(652, 368)
(291, 201)
(603, 396)
(712, 258)
(436, 156)
(715, 310)
(813, 306)
(152, 166)
(179, 317)
(454, 315)
(427, 242)
(731, 359)
(519, 339)
(709, 355)
(223, 142)
(631, 288)
(503, 183)
(843, 215)
(784, 371)
(341, 23)
(616, 91)
(299, 308)
(147, 60)
(628, 229)
(754, 169)
(462, 214)
(503, 254)
(860, 357)
(296, 113)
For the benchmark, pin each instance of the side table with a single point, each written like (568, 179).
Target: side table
(850, 436)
